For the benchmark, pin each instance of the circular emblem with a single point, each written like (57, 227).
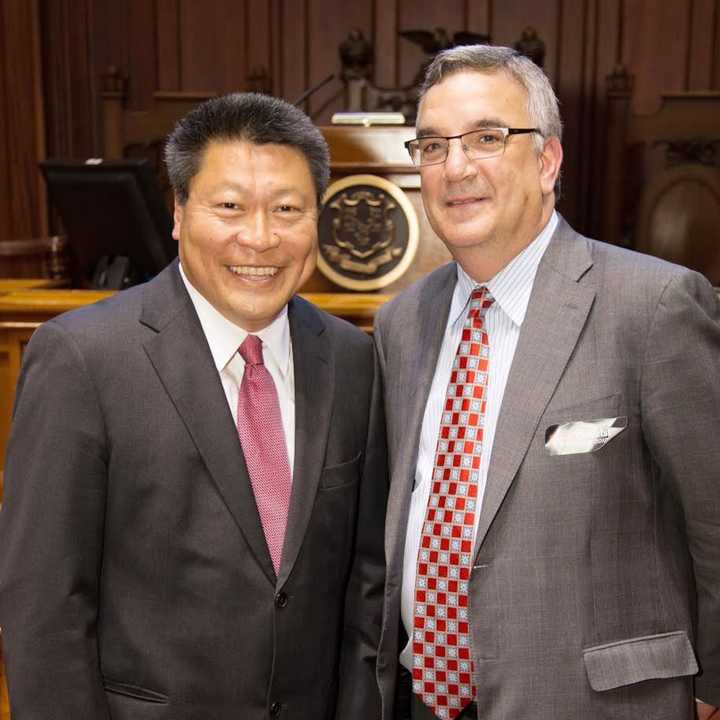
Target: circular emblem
(368, 233)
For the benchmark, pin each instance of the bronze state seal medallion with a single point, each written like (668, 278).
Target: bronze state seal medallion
(368, 233)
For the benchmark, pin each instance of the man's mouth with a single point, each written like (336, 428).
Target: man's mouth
(460, 201)
(254, 272)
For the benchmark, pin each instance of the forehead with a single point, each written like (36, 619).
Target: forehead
(468, 98)
(242, 157)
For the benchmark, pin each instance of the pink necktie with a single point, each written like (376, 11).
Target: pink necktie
(442, 658)
(262, 437)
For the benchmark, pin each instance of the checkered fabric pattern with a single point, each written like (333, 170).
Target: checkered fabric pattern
(442, 659)
(262, 437)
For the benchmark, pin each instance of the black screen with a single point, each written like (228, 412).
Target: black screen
(111, 208)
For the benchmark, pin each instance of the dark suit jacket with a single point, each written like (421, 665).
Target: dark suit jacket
(135, 581)
(595, 591)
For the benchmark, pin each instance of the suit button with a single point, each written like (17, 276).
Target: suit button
(281, 600)
(275, 709)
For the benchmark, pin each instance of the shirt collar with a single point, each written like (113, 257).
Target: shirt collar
(224, 337)
(512, 286)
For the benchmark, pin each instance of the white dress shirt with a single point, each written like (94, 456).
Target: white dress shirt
(511, 289)
(224, 339)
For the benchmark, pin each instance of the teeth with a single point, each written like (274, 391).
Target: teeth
(253, 270)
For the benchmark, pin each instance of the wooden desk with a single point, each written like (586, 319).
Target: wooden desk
(12, 284)
(4, 702)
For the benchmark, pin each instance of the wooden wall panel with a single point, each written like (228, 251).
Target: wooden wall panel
(111, 39)
(142, 55)
(294, 49)
(213, 45)
(479, 16)
(258, 31)
(512, 16)
(569, 75)
(328, 27)
(655, 50)
(608, 19)
(167, 42)
(700, 47)
(22, 213)
(186, 45)
(276, 45)
(386, 45)
(581, 162)
(715, 57)
(70, 82)
(425, 15)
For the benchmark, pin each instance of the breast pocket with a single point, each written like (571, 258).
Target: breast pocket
(131, 702)
(341, 474)
(586, 427)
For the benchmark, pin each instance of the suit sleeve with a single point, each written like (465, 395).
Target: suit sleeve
(680, 397)
(51, 530)
(358, 693)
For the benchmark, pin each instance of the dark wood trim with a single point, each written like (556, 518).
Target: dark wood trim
(306, 55)
(689, 43)
(559, 53)
(715, 48)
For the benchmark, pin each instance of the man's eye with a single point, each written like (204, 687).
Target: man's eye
(488, 139)
(286, 208)
(229, 206)
(431, 147)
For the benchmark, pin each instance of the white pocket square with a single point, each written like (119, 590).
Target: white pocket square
(586, 436)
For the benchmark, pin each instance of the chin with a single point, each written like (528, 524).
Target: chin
(468, 238)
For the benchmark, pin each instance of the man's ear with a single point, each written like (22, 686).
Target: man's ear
(550, 160)
(178, 214)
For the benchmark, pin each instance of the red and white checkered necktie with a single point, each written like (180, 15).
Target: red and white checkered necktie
(442, 658)
(262, 437)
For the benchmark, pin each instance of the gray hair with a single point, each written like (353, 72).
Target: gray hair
(252, 117)
(542, 101)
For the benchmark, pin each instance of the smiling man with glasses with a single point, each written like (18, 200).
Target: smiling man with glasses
(553, 531)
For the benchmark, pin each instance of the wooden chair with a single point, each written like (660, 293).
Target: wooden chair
(35, 258)
(661, 190)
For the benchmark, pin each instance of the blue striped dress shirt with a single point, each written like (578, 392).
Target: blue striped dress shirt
(511, 288)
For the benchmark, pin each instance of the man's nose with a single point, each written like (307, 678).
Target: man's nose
(457, 164)
(257, 232)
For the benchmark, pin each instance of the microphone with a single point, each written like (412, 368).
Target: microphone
(314, 89)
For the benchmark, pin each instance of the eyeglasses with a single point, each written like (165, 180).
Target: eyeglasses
(477, 145)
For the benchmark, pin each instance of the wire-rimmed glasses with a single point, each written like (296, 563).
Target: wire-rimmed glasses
(477, 144)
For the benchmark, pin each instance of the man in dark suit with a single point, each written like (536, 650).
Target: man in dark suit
(553, 408)
(195, 483)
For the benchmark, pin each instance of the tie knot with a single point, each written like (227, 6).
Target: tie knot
(480, 301)
(251, 350)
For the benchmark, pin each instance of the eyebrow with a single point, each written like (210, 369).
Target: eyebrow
(241, 188)
(486, 122)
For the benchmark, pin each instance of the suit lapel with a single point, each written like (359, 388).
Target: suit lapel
(423, 340)
(314, 383)
(181, 357)
(557, 312)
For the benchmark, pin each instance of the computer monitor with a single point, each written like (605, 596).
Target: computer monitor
(118, 226)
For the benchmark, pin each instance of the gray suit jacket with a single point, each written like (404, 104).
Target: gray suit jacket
(135, 581)
(595, 591)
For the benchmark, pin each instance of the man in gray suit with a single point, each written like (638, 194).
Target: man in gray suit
(553, 407)
(195, 483)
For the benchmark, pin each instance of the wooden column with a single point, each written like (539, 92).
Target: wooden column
(618, 106)
(22, 212)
